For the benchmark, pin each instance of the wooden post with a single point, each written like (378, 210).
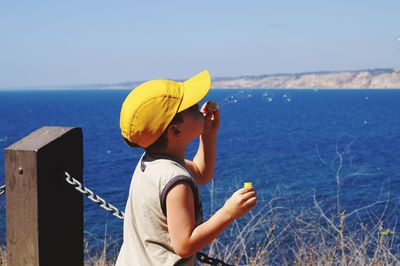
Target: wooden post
(44, 214)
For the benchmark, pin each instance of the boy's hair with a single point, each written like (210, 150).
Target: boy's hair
(162, 142)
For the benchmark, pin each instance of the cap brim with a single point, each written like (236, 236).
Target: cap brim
(195, 89)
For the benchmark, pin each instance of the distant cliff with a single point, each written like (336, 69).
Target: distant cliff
(376, 78)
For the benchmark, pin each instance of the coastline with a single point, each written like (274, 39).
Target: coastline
(362, 79)
(324, 80)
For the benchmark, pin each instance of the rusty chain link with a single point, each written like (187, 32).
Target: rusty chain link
(2, 189)
(204, 258)
(93, 197)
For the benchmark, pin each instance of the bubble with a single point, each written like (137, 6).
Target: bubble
(366, 98)
(243, 95)
(397, 44)
(231, 99)
(267, 97)
(365, 122)
(108, 151)
(287, 98)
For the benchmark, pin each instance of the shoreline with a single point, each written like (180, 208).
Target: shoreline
(82, 89)
(323, 80)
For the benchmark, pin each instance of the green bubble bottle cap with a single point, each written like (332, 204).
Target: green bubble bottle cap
(248, 184)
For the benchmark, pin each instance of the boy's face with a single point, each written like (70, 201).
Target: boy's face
(193, 123)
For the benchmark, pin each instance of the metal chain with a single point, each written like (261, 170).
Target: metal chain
(202, 257)
(2, 189)
(93, 197)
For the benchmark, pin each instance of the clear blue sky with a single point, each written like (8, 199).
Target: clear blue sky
(87, 41)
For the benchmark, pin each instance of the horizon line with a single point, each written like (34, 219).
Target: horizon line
(104, 84)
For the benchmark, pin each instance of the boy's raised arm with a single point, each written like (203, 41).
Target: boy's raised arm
(202, 166)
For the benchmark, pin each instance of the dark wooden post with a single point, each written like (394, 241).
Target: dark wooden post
(44, 214)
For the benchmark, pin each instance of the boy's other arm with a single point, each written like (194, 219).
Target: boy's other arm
(202, 166)
(186, 238)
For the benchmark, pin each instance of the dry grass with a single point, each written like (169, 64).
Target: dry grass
(102, 257)
(310, 238)
(316, 235)
(90, 260)
(275, 234)
(2, 257)
(305, 240)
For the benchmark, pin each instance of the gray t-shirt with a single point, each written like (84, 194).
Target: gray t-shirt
(146, 237)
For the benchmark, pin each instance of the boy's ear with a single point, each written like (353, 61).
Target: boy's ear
(173, 131)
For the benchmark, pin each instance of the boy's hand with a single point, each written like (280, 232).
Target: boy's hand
(240, 202)
(211, 119)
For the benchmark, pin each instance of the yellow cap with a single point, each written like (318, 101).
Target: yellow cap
(248, 184)
(151, 106)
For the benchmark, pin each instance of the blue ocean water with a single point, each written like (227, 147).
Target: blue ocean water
(292, 144)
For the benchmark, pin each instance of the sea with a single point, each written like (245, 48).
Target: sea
(326, 150)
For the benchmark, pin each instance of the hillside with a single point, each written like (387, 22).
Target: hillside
(377, 78)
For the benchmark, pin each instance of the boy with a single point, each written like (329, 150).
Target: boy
(163, 216)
